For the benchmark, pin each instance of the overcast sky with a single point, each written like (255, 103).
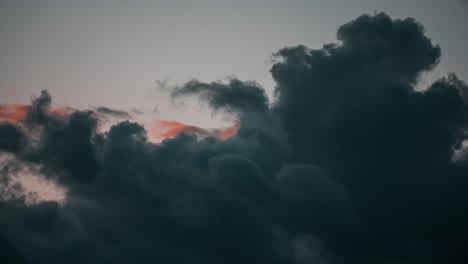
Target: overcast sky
(111, 53)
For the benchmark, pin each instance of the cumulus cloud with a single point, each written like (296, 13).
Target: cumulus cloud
(349, 164)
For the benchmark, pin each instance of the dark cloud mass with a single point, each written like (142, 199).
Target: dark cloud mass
(349, 164)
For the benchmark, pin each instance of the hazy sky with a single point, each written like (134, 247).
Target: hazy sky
(111, 53)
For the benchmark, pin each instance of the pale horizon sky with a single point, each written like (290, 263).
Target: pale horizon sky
(112, 53)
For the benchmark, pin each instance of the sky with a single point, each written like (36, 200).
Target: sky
(214, 132)
(114, 54)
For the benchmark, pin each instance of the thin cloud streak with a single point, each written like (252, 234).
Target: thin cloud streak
(164, 129)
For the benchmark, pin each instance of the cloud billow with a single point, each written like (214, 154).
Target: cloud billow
(349, 164)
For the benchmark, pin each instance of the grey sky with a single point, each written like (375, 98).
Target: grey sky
(110, 53)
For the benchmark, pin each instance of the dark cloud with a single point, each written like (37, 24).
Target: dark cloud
(70, 148)
(236, 96)
(37, 114)
(112, 112)
(352, 109)
(350, 164)
(12, 138)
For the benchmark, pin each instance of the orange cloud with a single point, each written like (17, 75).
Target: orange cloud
(15, 112)
(168, 128)
(228, 132)
(161, 129)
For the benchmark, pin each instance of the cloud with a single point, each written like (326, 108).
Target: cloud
(12, 138)
(349, 164)
(169, 129)
(112, 112)
(18, 112)
(228, 132)
(13, 113)
(235, 96)
(164, 129)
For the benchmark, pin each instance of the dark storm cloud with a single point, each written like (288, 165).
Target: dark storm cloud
(350, 164)
(352, 109)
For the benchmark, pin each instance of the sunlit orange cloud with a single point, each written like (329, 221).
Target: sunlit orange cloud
(160, 130)
(168, 128)
(15, 112)
(228, 132)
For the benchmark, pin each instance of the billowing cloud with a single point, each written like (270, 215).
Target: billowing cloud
(349, 164)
